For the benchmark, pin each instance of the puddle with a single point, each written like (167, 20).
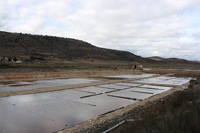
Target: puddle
(44, 84)
(20, 84)
(133, 76)
(53, 111)
(113, 86)
(127, 84)
(41, 113)
(147, 69)
(45, 116)
(5, 106)
(93, 89)
(148, 90)
(156, 87)
(21, 121)
(191, 70)
(141, 91)
(91, 95)
(70, 94)
(165, 80)
(130, 95)
(106, 103)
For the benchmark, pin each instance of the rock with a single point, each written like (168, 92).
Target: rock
(194, 84)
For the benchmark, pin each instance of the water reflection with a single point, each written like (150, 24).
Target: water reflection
(15, 86)
(166, 80)
(133, 76)
(53, 111)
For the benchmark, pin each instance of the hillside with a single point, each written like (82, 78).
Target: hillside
(173, 60)
(62, 49)
(17, 44)
(156, 58)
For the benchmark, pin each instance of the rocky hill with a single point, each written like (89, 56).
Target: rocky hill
(173, 60)
(17, 44)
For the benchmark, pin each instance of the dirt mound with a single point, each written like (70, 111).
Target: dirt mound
(194, 84)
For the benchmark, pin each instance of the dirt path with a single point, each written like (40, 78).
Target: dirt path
(40, 75)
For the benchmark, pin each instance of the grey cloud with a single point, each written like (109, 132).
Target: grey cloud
(196, 35)
(147, 28)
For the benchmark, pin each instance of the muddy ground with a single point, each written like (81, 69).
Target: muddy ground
(15, 75)
(28, 74)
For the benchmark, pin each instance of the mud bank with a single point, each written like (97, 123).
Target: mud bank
(39, 75)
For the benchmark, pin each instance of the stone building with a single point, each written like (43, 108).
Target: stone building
(135, 65)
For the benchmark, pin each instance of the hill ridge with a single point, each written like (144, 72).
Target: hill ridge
(65, 48)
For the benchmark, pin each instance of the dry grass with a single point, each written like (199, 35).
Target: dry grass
(179, 115)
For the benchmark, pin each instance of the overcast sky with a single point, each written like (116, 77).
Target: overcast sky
(167, 28)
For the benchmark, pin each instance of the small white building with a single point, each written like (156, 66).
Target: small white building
(18, 62)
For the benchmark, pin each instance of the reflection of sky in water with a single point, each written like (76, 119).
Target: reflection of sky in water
(53, 111)
(93, 89)
(127, 84)
(129, 94)
(156, 87)
(44, 84)
(149, 90)
(112, 86)
(147, 69)
(165, 80)
(47, 112)
(132, 76)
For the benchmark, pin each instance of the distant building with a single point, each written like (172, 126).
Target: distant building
(6, 58)
(135, 65)
(9, 60)
(18, 62)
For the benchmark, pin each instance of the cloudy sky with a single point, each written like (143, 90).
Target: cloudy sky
(167, 28)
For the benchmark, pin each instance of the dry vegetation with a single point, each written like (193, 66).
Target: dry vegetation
(180, 114)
